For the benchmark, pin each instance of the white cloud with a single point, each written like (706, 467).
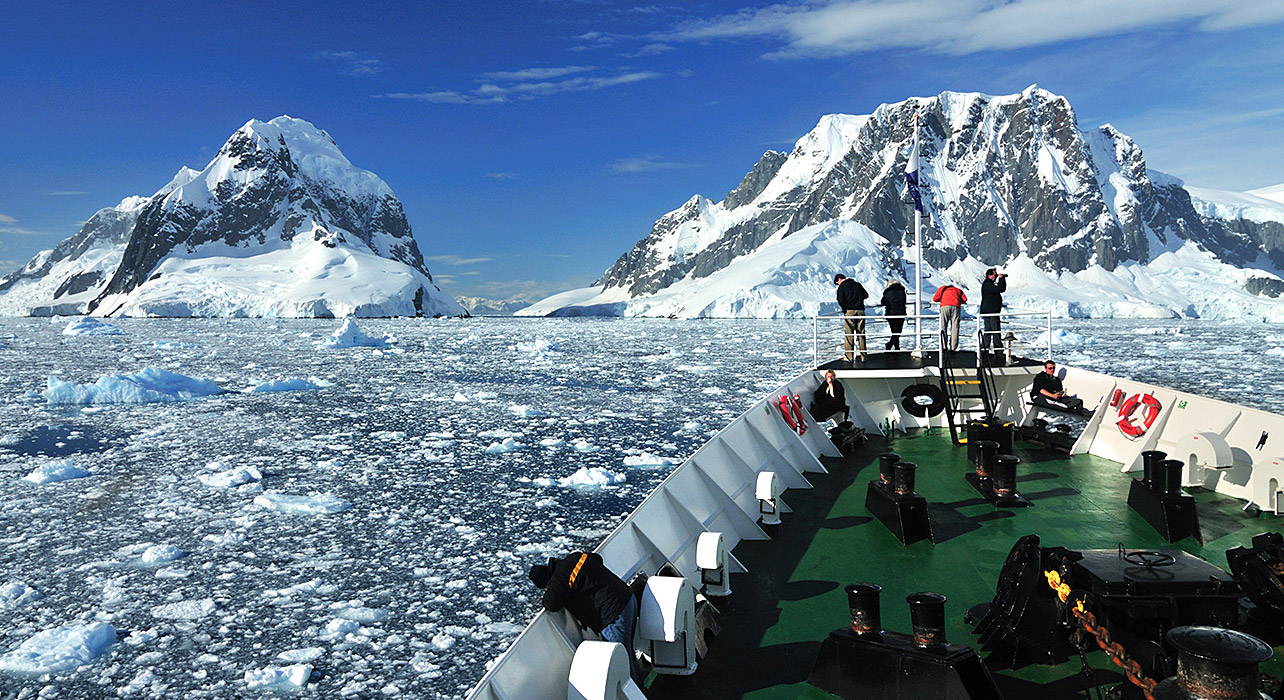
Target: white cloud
(351, 62)
(535, 73)
(8, 225)
(644, 164)
(526, 87)
(501, 176)
(7, 219)
(962, 26)
(64, 193)
(458, 260)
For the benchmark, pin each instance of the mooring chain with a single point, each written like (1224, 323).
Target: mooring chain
(1113, 649)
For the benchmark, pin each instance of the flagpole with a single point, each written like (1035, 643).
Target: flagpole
(918, 262)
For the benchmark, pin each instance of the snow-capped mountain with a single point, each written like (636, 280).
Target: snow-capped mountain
(279, 223)
(482, 306)
(1008, 181)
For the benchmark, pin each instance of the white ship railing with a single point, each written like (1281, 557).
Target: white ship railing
(1031, 330)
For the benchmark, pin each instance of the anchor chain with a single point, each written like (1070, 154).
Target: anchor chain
(1088, 622)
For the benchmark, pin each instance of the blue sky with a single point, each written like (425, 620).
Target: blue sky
(532, 143)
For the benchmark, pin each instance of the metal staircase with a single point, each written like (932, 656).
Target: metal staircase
(964, 387)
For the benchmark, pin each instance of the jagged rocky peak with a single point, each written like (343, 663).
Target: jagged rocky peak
(1004, 177)
(276, 188)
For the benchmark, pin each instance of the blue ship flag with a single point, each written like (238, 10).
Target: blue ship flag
(911, 174)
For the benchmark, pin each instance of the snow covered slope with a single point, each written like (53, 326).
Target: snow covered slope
(1010, 181)
(279, 223)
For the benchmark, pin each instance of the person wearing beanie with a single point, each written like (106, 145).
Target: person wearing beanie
(581, 584)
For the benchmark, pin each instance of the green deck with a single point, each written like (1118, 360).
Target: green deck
(793, 596)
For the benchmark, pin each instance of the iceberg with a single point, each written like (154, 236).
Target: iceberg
(59, 649)
(61, 470)
(91, 326)
(149, 385)
(349, 335)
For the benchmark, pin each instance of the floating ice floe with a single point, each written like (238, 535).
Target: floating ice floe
(349, 335)
(161, 553)
(174, 345)
(646, 460)
(59, 649)
(286, 678)
(359, 614)
(338, 628)
(583, 445)
(185, 609)
(146, 386)
(508, 445)
(61, 470)
(229, 478)
(301, 656)
(552, 442)
(91, 326)
(539, 347)
(317, 503)
(524, 411)
(292, 384)
(586, 479)
(16, 594)
(1063, 337)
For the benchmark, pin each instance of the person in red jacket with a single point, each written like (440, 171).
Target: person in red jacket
(950, 298)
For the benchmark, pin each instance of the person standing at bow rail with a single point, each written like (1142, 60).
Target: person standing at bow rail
(893, 303)
(992, 289)
(851, 299)
(950, 298)
(593, 594)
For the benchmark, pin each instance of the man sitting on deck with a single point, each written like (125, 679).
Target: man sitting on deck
(828, 399)
(1049, 393)
(595, 596)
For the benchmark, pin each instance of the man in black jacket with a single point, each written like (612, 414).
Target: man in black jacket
(1049, 392)
(893, 303)
(600, 600)
(992, 290)
(851, 299)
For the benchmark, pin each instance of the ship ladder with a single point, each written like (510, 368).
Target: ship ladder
(961, 396)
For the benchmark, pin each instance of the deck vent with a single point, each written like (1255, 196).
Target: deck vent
(600, 671)
(667, 623)
(711, 559)
(768, 492)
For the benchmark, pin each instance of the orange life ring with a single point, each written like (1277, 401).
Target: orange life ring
(1126, 425)
(796, 404)
(787, 411)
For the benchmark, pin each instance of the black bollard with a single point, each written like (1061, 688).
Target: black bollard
(1214, 663)
(1004, 474)
(986, 449)
(903, 478)
(927, 618)
(1150, 463)
(862, 600)
(1172, 469)
(886, 461)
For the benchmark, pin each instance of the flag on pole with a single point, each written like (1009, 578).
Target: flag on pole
(911, 173)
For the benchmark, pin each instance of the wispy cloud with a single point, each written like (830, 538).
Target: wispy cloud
(535, 73)
(7, 219)
(8, 225)
(458, 260)
(650, 50)
(352, 63)
(961, 26)
(645, 164)
(64, 193)
(501, 176)
(527, 84)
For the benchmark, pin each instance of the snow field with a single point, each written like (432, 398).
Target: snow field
(422, 581)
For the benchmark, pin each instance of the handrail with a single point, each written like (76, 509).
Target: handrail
(828, 332)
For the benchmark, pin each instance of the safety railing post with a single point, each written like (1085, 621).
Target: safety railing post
(1049, 335)
(815, 342)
